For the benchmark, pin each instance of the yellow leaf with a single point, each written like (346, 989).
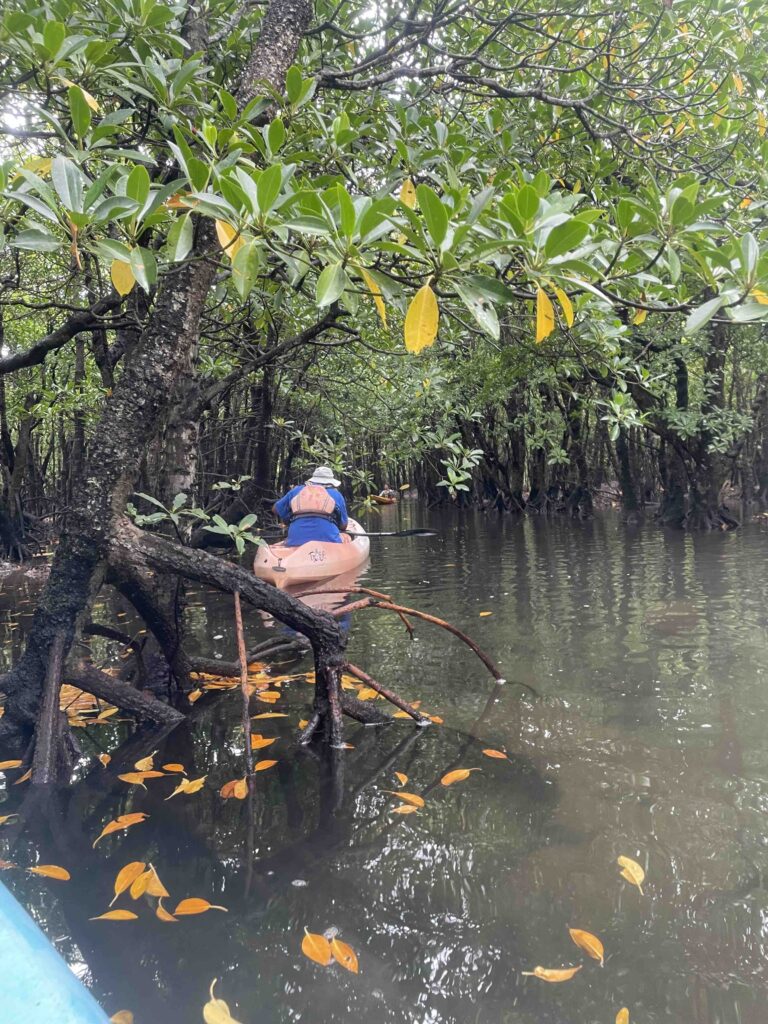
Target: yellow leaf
(269, 695)
(367, 693)
(622, 1017)
(631, 871)
(189, 786)
(303, 723)
(484, 615)
(237, 788)
(737, 81)
(457, 775)
(408, 194)
(401, 778)
(421, 320)
(122, 1017)
(261, 766)
(745, 203)
(496, 753)
(194, 695)
(194, 905)
(23, 778)
(124, 821)
(51, 871)
(404, 809)
(39, 165)
(216, 1010)
(759, 296)
(640, 316)
(146, 764)
(258, 741)
(378, 298)
(6, 817)
(270, 714)
(116, 915)
(154, 886)
(133, 778)
(545, 315)
(589, 943)
(437, 719)
(127, 876)
(105, 759)
(139, 885)
(229, 238)
(317, 948)
(90, 100)
(577, 186)
(401, 714)
(175, 768)
(553, 973)
(5, 765)
(122, 276)
(344, 955)
(408, 798)
(761, 123)
(566, 306)
(162, 913)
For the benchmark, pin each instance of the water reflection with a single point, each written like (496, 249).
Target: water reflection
(638, 732)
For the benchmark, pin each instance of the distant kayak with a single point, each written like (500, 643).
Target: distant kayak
(36, 986)
(379, 499)
(317, 560)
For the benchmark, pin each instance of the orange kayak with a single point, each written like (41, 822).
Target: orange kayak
(379, 499)
(317, 560)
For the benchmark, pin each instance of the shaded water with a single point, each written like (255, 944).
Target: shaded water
(638, 730)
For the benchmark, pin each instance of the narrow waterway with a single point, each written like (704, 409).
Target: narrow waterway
(634, 721)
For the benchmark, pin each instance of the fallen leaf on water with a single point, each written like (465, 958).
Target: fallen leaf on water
(194, 695)
(268, 695)
(105, 759)
(189, 786)
(401, 714)
(401, 778)
(258, 741)
(553, 973)
(261, 766)
(104, 715)
(367, 693)
(483, 614)
(175, 768)
(457, 775)
(139, 885)
(631, 871)
(270, 714)
(5, 864)
(435, 718)
(154, 886)
(116, 915)
(303, 723)
(622, 1017)
(137, 778)
(127, 876)
(237, 788)
(5, 765)
(404, 809)
(409, 798)
(344, 955)
(489, 752)
(6, 817)
(317, 948)
(51, 871)
(195, 905)
(122, 1017)
(124, 821)
(146, 763)
(216, 1010)
(589, 943)
(162, 913)
(24, 777)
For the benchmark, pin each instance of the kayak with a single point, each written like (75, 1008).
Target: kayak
(316, 560)
(379, 499)
(37, 987)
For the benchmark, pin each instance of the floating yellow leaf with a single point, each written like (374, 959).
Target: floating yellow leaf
(404, 809)
(317, 948)
(457, 775)
(139, 885)
(303, 723)
(401, 778)
(116, 915)
(589, 943)
(6, 817)
(258, 741)
(367, 693)
(237, 788)
(270, 714)
(344, 955)
(122, 277)
(175, 768)
(566, 306)
(122, 1017)
(162, 913)
(261, 766)
(490, 752)
(632, 872)
(622, 1017)
(437, 719)
(194, 695)
(105, 759)
(553, 974)
(51, 871)
(146, 764)
(408, 194)
(124, 821)
(133, 778)
(269, 696)
(408, 798)
(545, 315)
(484, 615)
(216, 1010)
(640, 316)
(378, 298)
(154, 886)
(189, 786)
(195, 905)
(421, 320)
(127, 876)
(23, 778)
(5, 765)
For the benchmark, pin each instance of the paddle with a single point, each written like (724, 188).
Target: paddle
(390, 533)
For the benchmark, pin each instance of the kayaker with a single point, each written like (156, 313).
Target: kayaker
(387, 492)
(315, 510)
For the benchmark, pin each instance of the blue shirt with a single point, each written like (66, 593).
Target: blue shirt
(308, 528)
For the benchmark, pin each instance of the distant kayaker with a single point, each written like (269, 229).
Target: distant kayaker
(387, 492)
(314, 511)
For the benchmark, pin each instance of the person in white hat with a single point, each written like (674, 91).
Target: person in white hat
(315, 510)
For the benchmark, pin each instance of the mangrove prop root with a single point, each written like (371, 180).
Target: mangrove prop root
(124, 696)
(245, 692)
(309, 729)
(393, 698)
(48, 732)
(275, 645)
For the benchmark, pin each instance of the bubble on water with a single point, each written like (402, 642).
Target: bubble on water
(299, 882)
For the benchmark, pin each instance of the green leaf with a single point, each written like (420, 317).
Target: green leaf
(54, 34)
(293, 84)
(492, 289)
(276, 135)
(703, 314)
(480, 307)
(330, 284)
(245, 268)
(79, 111)
(565, 237)
(137, 185)
(68, 181)
(268, 187)
(36, 239)
(527, 202)
(180, 238)
(346, 211)
(144, 267)
(750, 253)
(435, 213)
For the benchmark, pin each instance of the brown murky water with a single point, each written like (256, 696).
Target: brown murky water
(634, 718)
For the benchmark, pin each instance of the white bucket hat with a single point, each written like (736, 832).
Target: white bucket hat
(323, 477)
